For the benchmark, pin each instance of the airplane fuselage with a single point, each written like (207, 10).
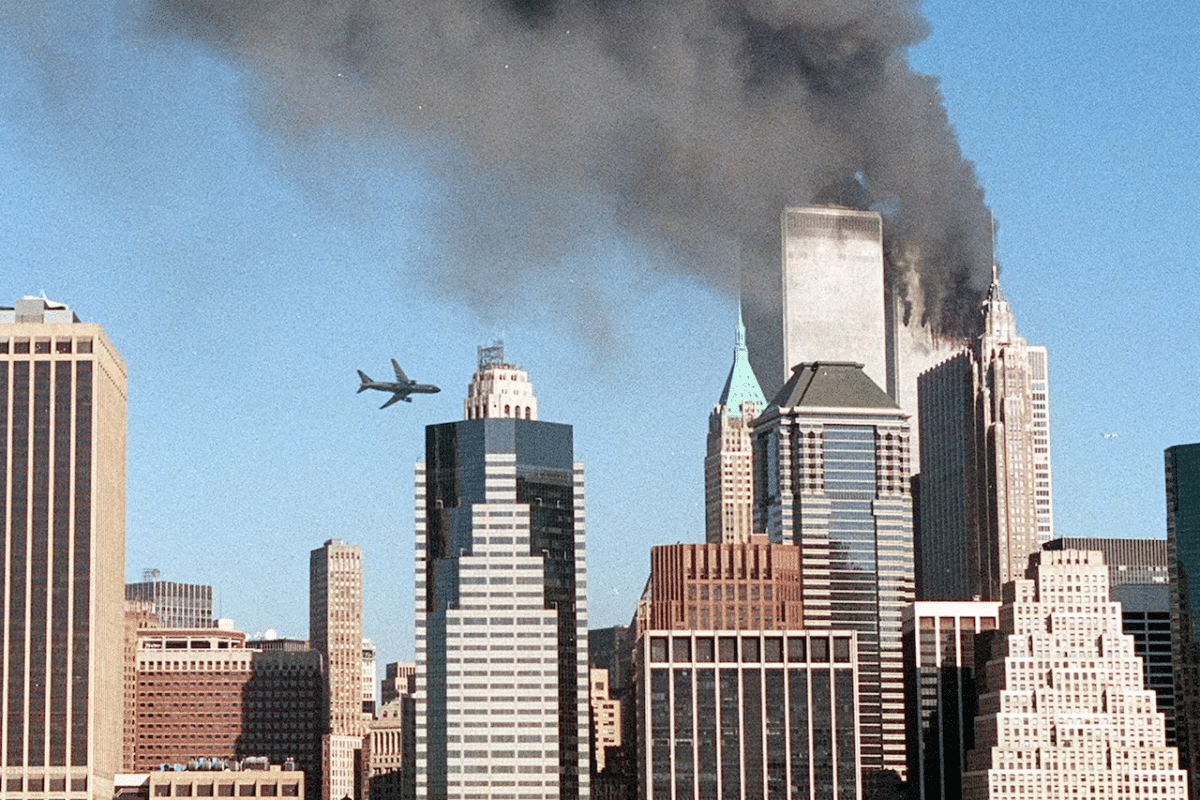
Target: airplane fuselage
(400, 388)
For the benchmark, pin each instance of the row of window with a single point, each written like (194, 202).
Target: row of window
(42, 345)
(751, 649)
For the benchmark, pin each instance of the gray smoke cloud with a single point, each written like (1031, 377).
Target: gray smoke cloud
(688, 123)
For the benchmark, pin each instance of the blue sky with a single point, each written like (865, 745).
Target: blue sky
(244, 279)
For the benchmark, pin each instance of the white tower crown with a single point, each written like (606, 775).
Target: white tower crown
(498, 389)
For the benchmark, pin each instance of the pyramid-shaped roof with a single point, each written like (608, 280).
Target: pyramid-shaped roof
(832, 384)
(742, 385)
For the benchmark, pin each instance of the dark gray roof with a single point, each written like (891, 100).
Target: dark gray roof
(831, 384)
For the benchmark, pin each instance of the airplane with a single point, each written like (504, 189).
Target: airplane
(400, 389)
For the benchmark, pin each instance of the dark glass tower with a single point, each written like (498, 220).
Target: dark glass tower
(1183, 562)
(501, 607)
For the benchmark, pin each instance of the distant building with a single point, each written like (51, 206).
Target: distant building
(985, 490)
(139, 616)
(501, 605)
(62, 514)
(748, 586)
(178, 605)
(729, 463)
(335, 631)
(1138, 580)
(832, 477)
(274, 781)
(203, 693)
(390, 751)
(941, 688)
(1182, 463)
(1062, 710)
(748, 714)
(190, 695)
(606, 718)
(399, 678)
(368, 678)
(612, 649)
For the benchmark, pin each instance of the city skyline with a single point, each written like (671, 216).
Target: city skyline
(242, 285)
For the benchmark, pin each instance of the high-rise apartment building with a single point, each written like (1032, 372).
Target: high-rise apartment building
(941, 688)
(1063, 712)
(178, 605)
(62, 525)
(729, 463)
(335, 631)
(985, 493)
(501, 605)
(753, 714)
(1182, 464)
(832, 477)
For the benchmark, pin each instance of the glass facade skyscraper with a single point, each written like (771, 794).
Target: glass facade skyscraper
(501, 612)
(831, 476)
(1182, 466)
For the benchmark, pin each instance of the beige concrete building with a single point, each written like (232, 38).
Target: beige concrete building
(390, 751)
(335, 631)
(275, 781)
(1062, 710)
(986, 498)
(606, 718)
(62, 518)
(729, 463)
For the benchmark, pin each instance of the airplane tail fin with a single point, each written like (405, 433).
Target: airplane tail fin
(365, 381)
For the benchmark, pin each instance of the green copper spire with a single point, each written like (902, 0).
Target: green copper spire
(741, 386)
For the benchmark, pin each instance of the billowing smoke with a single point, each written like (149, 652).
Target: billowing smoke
(689, 123)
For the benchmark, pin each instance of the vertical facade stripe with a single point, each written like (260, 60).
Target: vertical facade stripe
(61, 569)
(39, 565)
(18, 538)
(82, 553)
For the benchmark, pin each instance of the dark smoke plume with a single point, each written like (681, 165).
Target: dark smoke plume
(690, 123)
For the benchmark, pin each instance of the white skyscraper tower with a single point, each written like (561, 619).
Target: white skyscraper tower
(1062, 711)
(501, 600)
(834, 298)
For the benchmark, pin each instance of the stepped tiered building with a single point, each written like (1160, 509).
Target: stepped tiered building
(1063, 712)
(501, 606)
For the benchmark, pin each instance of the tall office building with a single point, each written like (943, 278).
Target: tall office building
(728, 465)
(985, 488)
(1182, 464)
(940, 643)
(834, 303)
(831, 476)
(178, 605)
(753, 714)
(335, 631)
(62, 520)
(501, 600)
(1063, 712)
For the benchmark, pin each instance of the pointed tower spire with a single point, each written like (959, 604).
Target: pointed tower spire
(742, 384)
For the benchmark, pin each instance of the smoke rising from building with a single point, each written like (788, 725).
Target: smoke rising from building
(689, 123)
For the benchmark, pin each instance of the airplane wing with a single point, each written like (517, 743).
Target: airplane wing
(400, 376)
(395, 397)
